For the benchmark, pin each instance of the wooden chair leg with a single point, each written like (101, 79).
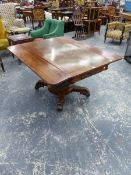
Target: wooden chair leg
(89, 28)
(32, 24)
(2, 65)
(120, 41)
(94, 26)
(105, 39)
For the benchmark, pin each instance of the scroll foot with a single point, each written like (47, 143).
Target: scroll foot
(61, 102)
(81, 90)
(40, 84)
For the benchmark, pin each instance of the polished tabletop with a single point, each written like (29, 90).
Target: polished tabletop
(58, 59)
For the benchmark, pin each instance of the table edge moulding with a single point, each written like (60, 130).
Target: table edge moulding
(60, 62)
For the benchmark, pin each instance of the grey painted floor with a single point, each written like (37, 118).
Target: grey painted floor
(90, 137)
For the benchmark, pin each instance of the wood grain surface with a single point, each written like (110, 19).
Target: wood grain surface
(58, 59)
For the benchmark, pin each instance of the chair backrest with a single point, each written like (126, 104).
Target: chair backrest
(115, 26)
(7, 12)
(111, 10)
(38, 13)
(119, 26)
(3, 33)
(77, 16)
(54, 23)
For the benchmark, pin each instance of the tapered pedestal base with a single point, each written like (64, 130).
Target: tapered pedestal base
(61, 90)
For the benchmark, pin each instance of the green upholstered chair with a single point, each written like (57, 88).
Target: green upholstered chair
(52, 28)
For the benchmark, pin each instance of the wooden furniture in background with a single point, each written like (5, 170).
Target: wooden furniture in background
(19, 39)
(64, 13)
(102, 16)
(78, 23)
(38, 15)
(13, 24)
(117, 31)
(126, 16)
(66, 3)
(46, 5)
(61, 62)
(91, 19)
(26, 14)
(90, 3)
(58, 12)
(112, 14)
(34, 13)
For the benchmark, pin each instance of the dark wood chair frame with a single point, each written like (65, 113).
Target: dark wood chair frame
(123, 30)
(2, 65)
